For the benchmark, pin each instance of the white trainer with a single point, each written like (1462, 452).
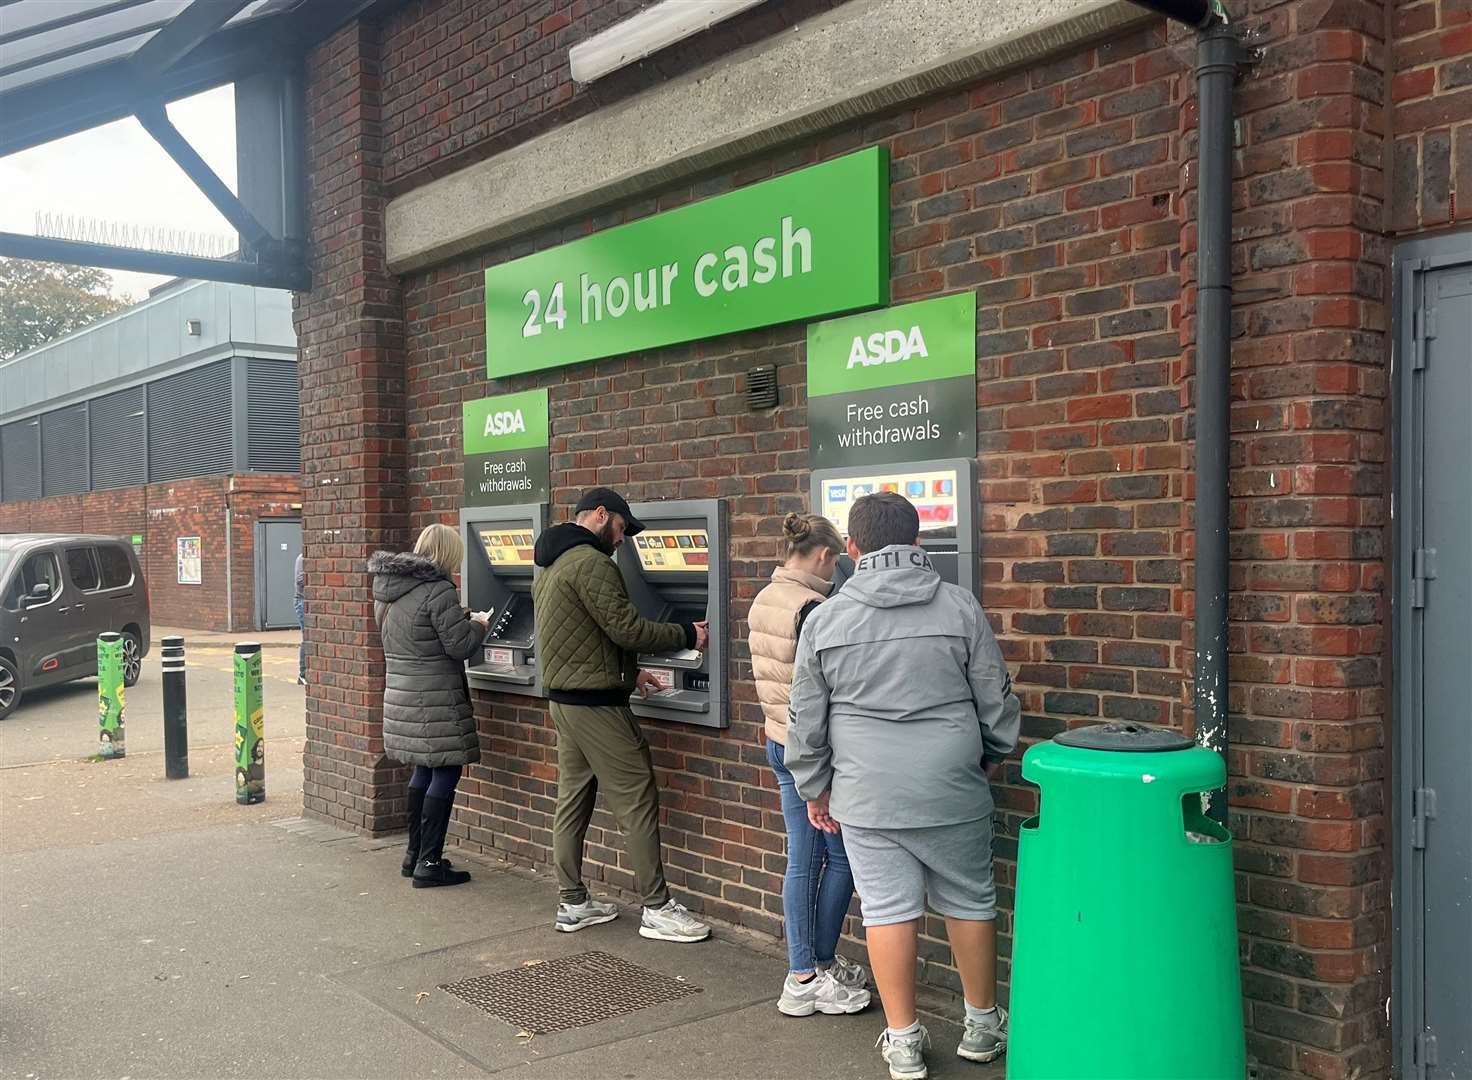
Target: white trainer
(822, 993)
(846, 973)
(573, 917)
(672, 923)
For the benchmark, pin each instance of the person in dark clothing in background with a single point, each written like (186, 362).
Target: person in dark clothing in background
(589, 635)
(301, 619)
(427, 719)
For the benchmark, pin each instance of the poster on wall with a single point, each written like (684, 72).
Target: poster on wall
(188, 554)
(894, 385)
(811, 243)
(505, 444)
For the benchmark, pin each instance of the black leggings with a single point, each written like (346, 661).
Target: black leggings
(440, 782)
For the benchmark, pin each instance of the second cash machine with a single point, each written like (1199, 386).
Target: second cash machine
(675, 571)
(944, 495)
(497, 577)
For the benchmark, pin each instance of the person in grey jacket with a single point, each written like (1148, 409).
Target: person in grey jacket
(427, 719)
(901, 709)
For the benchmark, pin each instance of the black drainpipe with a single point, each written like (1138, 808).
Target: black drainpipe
(1219, 54)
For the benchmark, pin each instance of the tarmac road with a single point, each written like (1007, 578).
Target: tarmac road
(59, 723)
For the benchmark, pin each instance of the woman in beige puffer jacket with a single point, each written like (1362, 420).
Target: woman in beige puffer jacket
(817, 886)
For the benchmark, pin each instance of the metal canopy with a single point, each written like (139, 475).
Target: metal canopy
(70, 65)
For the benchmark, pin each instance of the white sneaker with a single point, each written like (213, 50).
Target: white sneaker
(905, 1056)
(985, 1039)
(846, 973)
(672, 923)
(822, 993)
(573, 917)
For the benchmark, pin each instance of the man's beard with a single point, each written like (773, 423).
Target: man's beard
(606, 540)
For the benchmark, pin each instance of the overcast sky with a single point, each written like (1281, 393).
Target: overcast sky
(119, 174)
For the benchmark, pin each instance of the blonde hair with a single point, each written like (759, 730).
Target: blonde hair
(806, 533)
(442, 546)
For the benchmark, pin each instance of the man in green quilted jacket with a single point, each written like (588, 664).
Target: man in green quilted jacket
(589, 636)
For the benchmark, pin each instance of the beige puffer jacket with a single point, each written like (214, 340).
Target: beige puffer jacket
(773, 626)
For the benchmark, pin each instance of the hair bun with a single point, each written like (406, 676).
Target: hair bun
(796, 527)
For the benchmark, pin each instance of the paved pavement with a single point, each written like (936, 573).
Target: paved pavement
(154, 928)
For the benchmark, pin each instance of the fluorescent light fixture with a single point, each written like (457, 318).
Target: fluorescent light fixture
(646, 33)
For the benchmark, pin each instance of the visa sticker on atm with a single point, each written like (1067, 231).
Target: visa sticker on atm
(664, 676)
(498, 657)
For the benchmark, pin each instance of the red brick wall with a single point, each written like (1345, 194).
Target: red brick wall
(1431, 101)
(161, 513)
(464, 80)
(350, 333)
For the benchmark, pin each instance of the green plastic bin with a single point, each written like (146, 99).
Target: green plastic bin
(1124, 958)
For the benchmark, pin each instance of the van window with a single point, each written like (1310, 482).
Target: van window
(81, 564)
(117, 570)
(40, 567)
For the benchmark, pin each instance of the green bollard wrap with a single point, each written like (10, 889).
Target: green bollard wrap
(250, 726)
(110, 696)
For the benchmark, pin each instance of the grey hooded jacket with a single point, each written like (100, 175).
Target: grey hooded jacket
(427, 637)
(900, 699)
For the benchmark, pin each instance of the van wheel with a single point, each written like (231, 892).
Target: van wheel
(132, 659)
(9, 687)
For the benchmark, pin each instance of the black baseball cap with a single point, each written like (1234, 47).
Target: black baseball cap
(614, 503)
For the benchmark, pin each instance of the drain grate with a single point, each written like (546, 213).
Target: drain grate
(568, 993)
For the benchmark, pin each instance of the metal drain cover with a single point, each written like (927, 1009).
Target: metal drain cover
(568, 993)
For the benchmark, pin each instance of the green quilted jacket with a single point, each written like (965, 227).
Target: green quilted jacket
(589, 634)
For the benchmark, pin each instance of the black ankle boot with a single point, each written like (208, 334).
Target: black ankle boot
(433, 870)
(415, 806)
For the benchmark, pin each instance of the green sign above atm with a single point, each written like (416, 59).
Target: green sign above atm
(505, 441)
(814, 242)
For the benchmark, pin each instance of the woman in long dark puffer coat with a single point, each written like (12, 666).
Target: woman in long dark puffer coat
(427, 720)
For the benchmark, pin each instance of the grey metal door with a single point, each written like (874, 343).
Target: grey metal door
(1434, 627)
(278, 543)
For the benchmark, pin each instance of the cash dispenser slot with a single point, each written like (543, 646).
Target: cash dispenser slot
(676, 572)
(497, 577)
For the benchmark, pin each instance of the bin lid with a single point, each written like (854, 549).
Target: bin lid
(1125, 738)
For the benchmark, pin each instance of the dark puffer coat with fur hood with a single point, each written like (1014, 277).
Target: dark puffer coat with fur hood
(427, 637)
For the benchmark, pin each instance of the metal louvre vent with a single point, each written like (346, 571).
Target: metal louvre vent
(119, 451)
(64, 451)
(569, 992)
(190, 432)
(761, 387)
(20, 460)
(272, 416)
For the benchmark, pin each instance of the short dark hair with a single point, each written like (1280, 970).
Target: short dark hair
(879, 520)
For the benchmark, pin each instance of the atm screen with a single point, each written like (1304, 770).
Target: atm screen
(933, 493)
(507, 547)
(665, 551)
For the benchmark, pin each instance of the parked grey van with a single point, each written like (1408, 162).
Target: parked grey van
(57, 593)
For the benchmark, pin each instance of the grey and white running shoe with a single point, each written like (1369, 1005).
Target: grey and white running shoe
(573, 917)
(822, 993)
(846, 973)
(905, 1056)
(672, 923)
(985, 1039)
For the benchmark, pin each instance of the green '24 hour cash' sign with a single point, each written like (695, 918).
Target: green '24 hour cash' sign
(506, 449)
(894, 385)
(814, 242)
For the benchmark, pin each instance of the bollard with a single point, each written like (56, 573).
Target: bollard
(110, 696)
(250, 726)
(176, 711)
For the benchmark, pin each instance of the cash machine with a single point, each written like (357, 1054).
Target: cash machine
(496, 576)
(944, 494)
(675, 571)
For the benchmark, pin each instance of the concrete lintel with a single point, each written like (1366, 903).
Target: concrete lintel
(862, 58)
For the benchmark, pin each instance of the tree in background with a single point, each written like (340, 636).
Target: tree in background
(40, 302)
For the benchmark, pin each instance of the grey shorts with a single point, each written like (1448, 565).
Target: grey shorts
(898, 871)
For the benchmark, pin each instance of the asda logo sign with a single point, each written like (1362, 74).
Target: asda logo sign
(504, 423)
(506, 459)
(886, 347)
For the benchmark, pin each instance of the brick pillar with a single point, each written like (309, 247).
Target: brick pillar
(1307, 697)
(351, 333)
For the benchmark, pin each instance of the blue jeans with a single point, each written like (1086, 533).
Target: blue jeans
(818, 886)
(301, 652)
